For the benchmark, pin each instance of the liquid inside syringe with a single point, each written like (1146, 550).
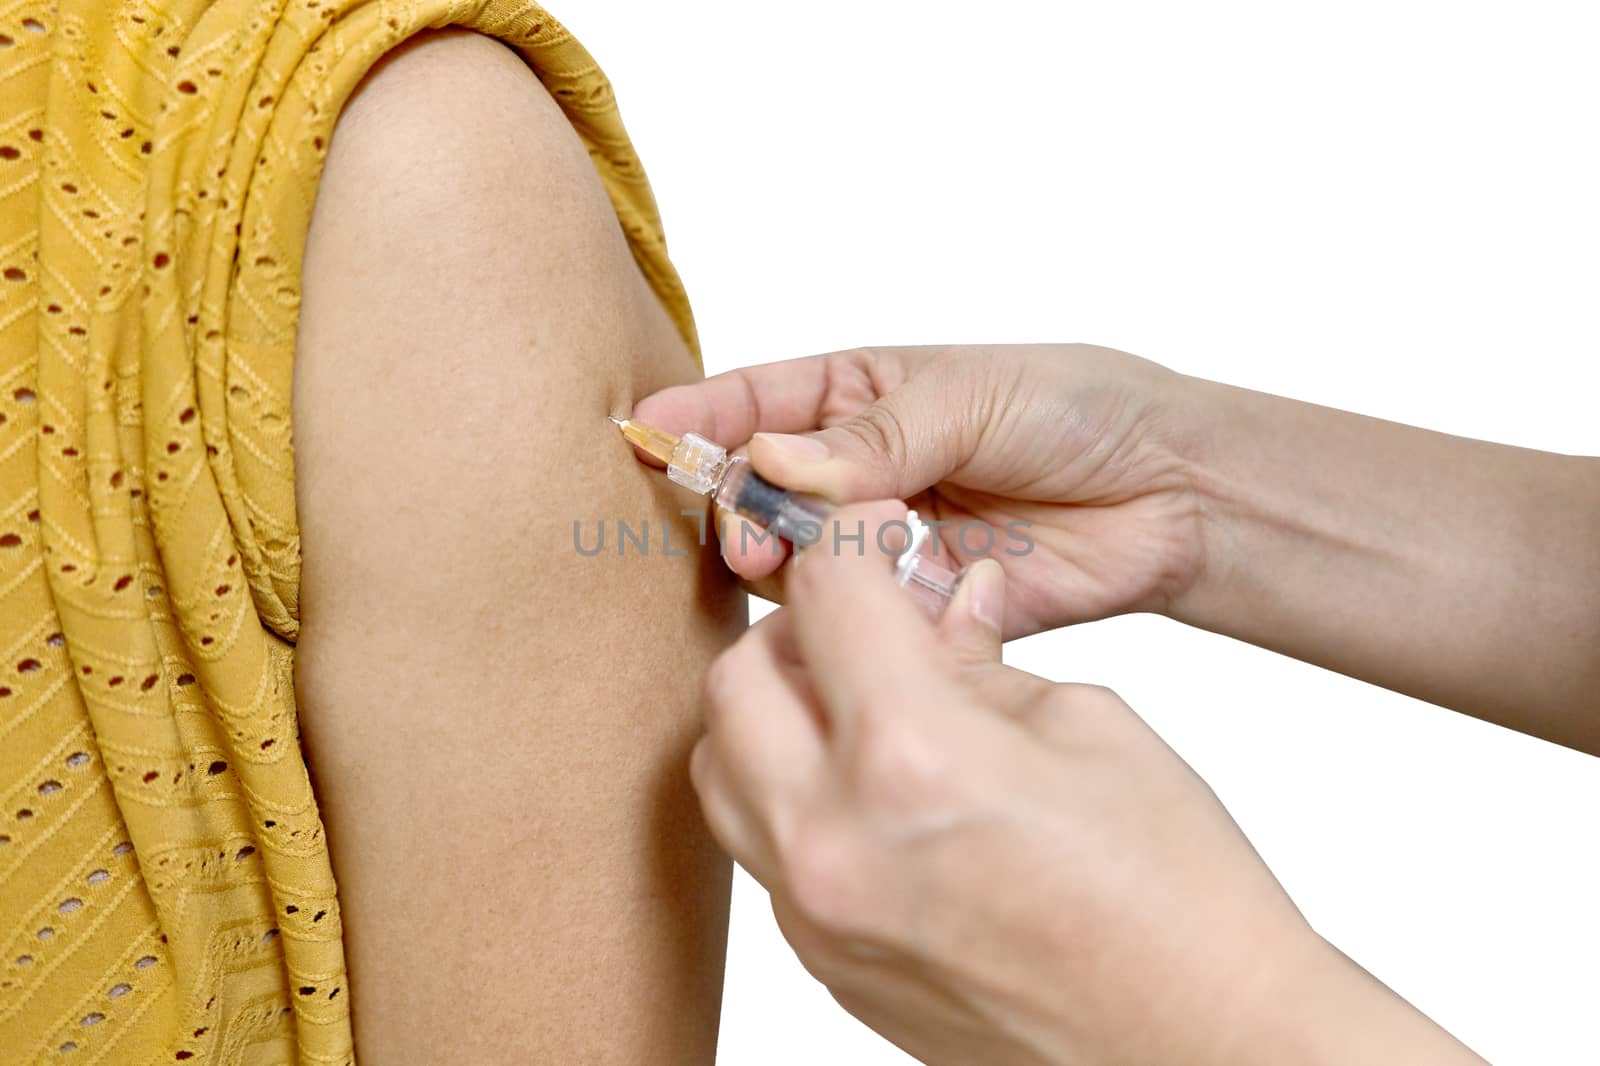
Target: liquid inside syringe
(707, 469)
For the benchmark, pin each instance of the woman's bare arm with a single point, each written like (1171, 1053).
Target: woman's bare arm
(498, 726)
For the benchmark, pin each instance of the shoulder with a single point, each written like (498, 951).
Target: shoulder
(471, 312)
(453, 132)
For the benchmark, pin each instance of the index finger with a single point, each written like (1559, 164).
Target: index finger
(788, 396)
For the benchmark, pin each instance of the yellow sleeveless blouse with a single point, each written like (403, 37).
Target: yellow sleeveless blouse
(165, 888)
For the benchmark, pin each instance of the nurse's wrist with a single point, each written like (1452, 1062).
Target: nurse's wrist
(1325, 1010)
(1196, 418)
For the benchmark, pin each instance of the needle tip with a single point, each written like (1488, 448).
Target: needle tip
(615, 421)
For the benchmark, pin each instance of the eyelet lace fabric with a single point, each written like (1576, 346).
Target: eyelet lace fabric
(165, 887)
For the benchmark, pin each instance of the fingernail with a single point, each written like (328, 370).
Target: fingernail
(988, 600)
(809, 449)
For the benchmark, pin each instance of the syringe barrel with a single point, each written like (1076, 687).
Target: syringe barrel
(793, 516)
(802, 521)
(704, 467)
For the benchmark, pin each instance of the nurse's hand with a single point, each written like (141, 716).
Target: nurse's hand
(987, 867)
(1064, 462)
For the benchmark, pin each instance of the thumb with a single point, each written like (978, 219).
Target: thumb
(895, 447)
(971, 625)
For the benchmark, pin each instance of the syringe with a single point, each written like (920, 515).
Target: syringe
(707, 469)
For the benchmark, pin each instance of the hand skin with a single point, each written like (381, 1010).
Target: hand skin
(1458, 571)
(988, 867)
(1065, 440)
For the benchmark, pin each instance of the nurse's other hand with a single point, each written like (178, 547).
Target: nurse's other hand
(988, 867)
(1064, 462)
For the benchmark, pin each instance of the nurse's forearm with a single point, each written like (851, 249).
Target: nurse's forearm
(1461, 572)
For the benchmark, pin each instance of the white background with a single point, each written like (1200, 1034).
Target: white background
(1391, 208)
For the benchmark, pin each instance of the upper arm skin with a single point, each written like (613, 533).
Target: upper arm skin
(497, 727)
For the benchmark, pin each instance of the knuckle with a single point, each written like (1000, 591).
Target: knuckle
(863, 359)
(880, 432)
(817, 949)
(824, 878)
(1067, 711)
(1052, 703)
(900, 767)
(870, 371)
(1095, 697)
